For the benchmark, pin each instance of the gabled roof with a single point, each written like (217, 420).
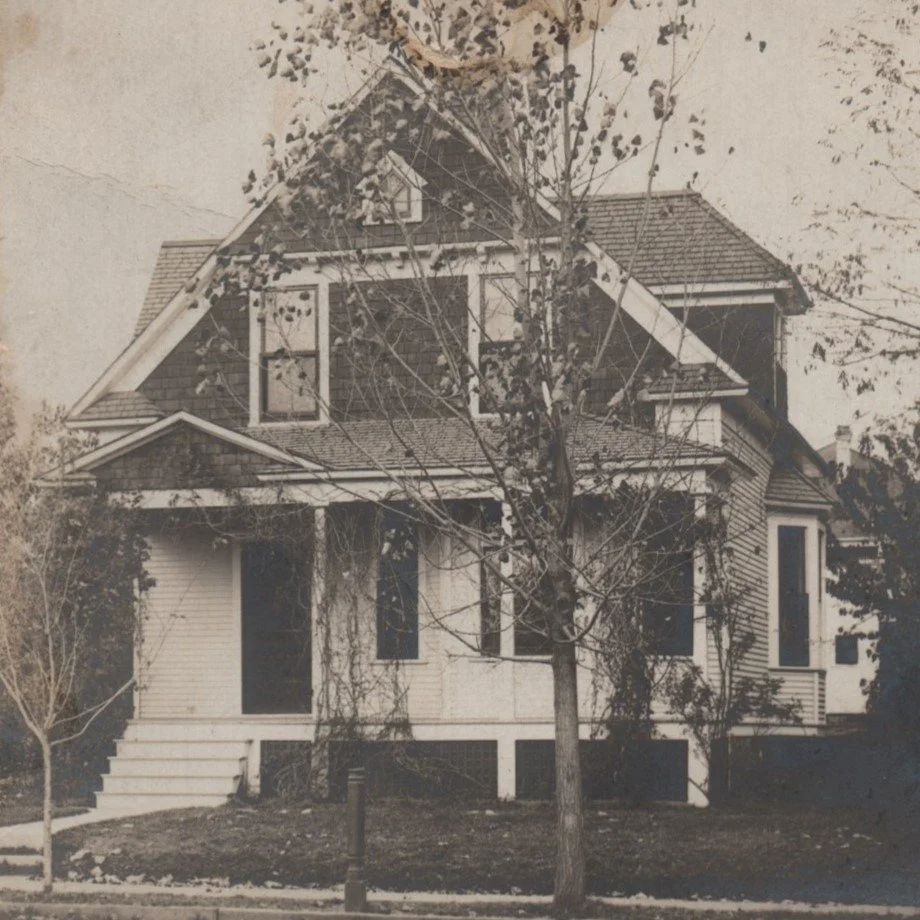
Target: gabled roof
(176, 263)
(679, 238)
(790, 487)
(120, 405)
(614, 222)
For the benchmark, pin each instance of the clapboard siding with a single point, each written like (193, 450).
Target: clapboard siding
(807, 688)
(191, 638)
(747, 538)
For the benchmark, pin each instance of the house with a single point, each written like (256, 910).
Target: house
(195, 417)
(850, 668)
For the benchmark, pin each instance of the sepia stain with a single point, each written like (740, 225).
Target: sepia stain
(519, 26)
(16, 36)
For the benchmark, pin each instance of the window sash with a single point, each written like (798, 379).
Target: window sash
(794, 611)
(283, 397)
(846, 650)
(397, 591)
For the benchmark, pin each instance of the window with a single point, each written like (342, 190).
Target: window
(497, 325)
(668, 584)
(793, 598)
(396, 194)
(532, 636)
(846, 649)
(290, 355)
(397, 197)
(397, 587)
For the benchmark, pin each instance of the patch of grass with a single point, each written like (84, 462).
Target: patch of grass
(21, 800)
(795, 853)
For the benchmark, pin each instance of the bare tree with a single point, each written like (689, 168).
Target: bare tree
(71, 581)
(871, 290)
(489, 360)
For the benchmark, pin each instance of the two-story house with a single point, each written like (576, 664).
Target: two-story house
(244, 635)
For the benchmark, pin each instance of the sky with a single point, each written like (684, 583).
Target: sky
(126, 122)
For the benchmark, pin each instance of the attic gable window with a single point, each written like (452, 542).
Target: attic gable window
(397, 197)
(289, 359)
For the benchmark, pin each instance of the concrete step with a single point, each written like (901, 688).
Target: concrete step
(181, 750)
(142, 766)
(171, 785)
(20, 865)
(124, 804)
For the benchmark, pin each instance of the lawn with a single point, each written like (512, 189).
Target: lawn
(21, 800)
(666, 851)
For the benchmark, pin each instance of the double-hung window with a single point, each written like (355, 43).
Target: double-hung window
(497, 325)
(397, 587)
(793, 597)
(668, 607)
(289, 359)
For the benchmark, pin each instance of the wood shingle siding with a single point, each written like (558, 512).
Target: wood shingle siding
(183, 457)
(368, 382)
(174, 384)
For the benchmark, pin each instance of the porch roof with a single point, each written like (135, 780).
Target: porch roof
(415, 443)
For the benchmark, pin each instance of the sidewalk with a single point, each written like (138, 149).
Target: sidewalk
(29, 836)
(190, 901)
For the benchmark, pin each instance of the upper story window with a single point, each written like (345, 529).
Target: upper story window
(289, 355)
(496, 327)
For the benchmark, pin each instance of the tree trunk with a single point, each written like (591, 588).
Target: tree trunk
(47, 861)
(569, 891)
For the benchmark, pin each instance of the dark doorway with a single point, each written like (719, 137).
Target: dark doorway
(275, 596)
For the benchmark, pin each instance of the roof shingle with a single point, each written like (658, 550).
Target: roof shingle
(176, 263)
(788, 486)
(440, 442)
(678, 238)
(120, 405)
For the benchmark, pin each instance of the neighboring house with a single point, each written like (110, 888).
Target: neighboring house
(849, 666)
(228, 678)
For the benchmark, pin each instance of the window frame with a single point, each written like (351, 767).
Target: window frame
(814, 568)
(297, 280)
(265, 357)
(393, 164)
(684, 546)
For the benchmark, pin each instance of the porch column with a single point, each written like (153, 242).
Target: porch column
(697, 775)
(507, 765)
(320, 651)
(506, 641)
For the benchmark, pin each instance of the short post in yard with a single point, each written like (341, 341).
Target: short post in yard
(355, 886)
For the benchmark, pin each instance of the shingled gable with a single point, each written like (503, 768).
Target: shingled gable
(130, 443)
(166, 329)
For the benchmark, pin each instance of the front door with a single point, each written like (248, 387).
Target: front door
(275, 596)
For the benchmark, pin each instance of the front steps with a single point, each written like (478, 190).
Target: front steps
(156, 769)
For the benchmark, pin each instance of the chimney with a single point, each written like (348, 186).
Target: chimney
(844, 440)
